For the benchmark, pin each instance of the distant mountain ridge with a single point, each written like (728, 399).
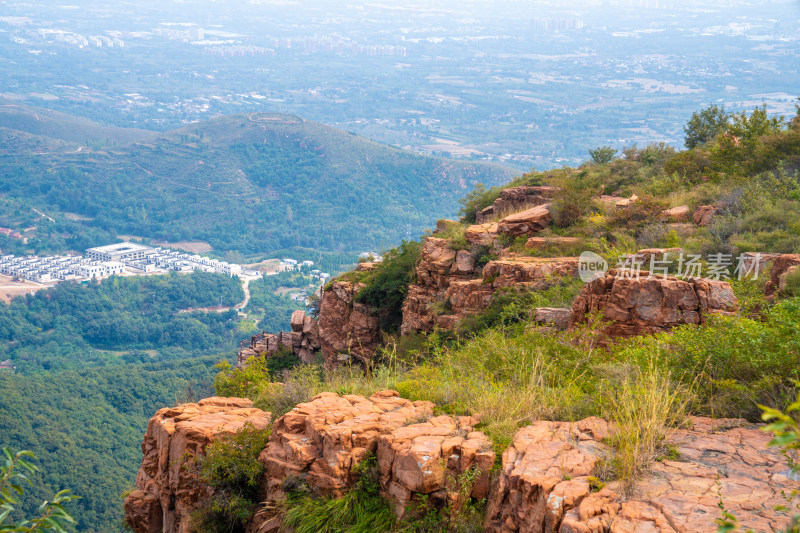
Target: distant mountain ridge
(251, 183)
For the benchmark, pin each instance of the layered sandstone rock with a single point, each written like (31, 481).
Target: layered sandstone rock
(345, 327)
(435, 261)
(516, 199)
(645, 305)
(482, 234)
(544, 483)
(167, 488)
(430, 459)
(528, 222)
(704, 214)
(303, 341)
(782, 266)
(532, 273)
(323, 440)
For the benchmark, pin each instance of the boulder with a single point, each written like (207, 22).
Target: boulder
(443, 224)
(704, 214)
(298, 317)
(429, 459)
(527, 222)
(346, 328)
(469, 297)
(323, 440)
(544, 484)
(678, 214)
(645, 305)
(482, 234)
(418, 312)
(555, 317)
(167, 488)
(533, 273)
(464, 264)
(781, 267)
(366, 266)
(616, 201)
(515, 199)
(435, 260)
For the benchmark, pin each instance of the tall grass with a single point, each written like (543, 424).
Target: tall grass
(643, 406)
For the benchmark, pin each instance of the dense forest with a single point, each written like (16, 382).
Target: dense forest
(121, 320)
(86, 426)
(254, 183)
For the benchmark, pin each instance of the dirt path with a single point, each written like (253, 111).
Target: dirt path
(246, 288)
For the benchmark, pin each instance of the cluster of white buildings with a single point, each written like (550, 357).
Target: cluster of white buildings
(76, 39)
(53, 269)
(292, 264)
(114, 259)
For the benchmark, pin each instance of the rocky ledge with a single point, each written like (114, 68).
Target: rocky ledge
(167, 490)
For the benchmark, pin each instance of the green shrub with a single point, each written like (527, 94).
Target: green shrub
(299, 384)
(603, 154)
(792, 287)
(644, 211)
(479, 199)
(387, 285)
(231, 468)
(360, 510)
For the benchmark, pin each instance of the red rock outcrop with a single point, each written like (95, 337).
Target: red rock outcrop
(326, 437)
(482, 234)
(346, 328)
(166, 490)
(528, 222)
(303, 341)
(645, 305)
(533, 273)
(704, 214)
(430, 457)
(516, 199)
(544, 483)
(781, 266)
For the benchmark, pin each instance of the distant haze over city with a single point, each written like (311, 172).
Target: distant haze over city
(531, 84)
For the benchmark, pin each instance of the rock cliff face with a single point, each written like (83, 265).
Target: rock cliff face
(645, 305)
(543, 484)
(346, 328)
(323, 440)
(166, 490)
(449, 281)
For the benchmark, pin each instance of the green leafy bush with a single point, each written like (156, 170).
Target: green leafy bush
(387, 285)
(231, 468)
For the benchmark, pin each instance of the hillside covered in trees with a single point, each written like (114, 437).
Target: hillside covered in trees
(252, 183)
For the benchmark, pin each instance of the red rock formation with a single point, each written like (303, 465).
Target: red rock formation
(645, 305)
(326, 437)
(544, 483)
(429, 458)
(346, 328)
(704, 214)
(527, 222)
(166, 491)
(482, 234)
(516, 199)
(533, 273)
(781, 266)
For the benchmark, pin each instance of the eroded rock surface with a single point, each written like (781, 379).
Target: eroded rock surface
(781, 267)
(345, 327)
(704, 214)
(528, 222)
(544, 484)
(166, 490)
(516, 199)
(645, 305)
(430, 458)
(533, 273)
(679, 214)
(323, 440)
